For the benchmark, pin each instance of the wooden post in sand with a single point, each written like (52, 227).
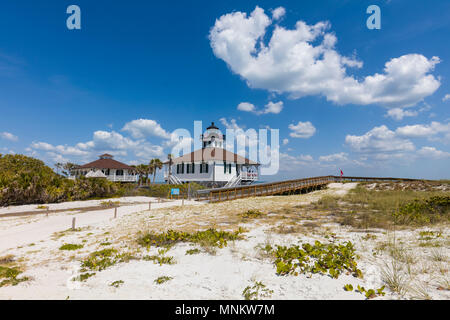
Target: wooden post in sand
(73, 223)
(47, 212)
(150, 205)
(189, 191)
(115, 212)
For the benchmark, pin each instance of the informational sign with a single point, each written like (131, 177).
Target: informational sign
(175, 191)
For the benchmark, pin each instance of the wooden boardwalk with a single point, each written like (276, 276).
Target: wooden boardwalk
(281, 187)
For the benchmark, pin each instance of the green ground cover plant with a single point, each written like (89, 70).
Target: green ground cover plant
(252, 214)
(162, 279)
(102, 259)
(332, 259)
(9, 276)
(257, 291)
(69, 246)
(160, 258)
(210, 237)
(192, 251)
(117, 284)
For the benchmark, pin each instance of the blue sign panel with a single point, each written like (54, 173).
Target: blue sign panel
(175, 191)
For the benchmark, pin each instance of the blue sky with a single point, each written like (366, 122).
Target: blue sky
(372, 102)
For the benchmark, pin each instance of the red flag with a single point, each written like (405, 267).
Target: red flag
(341, 172)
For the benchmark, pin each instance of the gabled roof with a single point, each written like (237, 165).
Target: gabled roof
(105, 164)
(106, 155)
(212, 154)
(95, 174)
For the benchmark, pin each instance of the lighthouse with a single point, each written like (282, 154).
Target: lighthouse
(212, 165)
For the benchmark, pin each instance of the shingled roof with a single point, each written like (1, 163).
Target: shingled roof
(212, 154)
(105, 163)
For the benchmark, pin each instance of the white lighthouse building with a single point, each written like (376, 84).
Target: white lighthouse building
(212, 165)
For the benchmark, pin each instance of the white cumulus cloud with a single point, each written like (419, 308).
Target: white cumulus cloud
(303, 61)
(246, 106)
(399, 114)
(302, 130)
(423, 130)
(432, 152)
(8, 136)
(278, 13)
(142, 128)
(379, 140)
(336, 157)
(271, 107)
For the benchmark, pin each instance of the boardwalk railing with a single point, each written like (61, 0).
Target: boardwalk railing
(280, 187)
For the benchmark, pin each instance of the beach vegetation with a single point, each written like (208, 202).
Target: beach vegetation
(9, 276)
(117, 284)
(206, 238)
(163, 279)
(69, 246)
(331, 259)
(257, 291)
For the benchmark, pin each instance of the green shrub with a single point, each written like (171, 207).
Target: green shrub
(69, 246)
(424, 211)
(25, 180)
(163, 190)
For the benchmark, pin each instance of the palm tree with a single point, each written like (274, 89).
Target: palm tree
(142, 171)
(69, 166)
(58, 167)
(155, 165)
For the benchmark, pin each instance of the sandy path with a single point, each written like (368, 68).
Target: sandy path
(20, 231)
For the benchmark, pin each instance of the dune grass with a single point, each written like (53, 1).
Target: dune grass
(368, 208)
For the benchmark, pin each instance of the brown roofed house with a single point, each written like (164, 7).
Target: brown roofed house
(113, 170)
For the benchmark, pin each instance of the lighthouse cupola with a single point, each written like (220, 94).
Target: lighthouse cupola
(213, 138)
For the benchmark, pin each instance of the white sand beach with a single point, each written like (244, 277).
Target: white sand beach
(34, 242)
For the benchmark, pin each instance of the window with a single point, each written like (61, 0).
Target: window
(190, 168)
(182, 168)
(229, 168)
(119, 173)
(178, 168)
(224, 167)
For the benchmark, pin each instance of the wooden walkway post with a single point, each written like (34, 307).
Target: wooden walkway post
(150, 205)
(115, 212)
(73, 223)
